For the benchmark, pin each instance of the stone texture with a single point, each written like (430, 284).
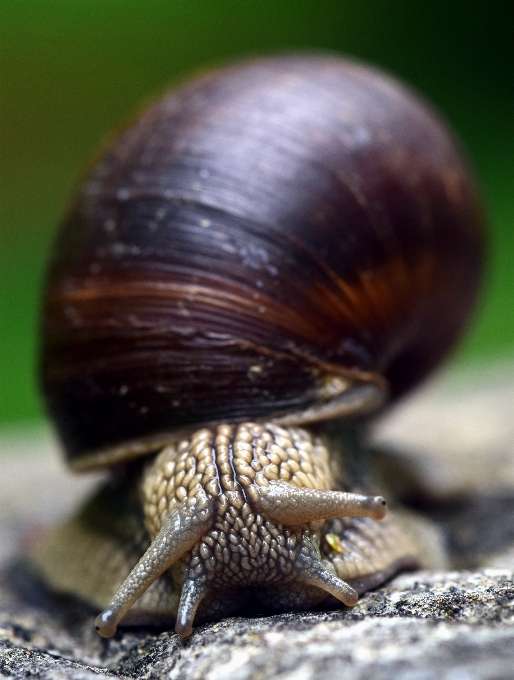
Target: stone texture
(456, 625)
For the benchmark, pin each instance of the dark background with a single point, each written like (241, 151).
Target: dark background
(70, 70)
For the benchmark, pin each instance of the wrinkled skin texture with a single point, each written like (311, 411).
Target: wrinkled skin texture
(230, 513)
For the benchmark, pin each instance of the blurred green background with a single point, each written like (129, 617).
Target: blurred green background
(70, 70)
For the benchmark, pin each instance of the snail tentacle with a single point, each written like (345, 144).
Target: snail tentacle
(193, 592)
(293, 505)
(315, 574)
(183, 528)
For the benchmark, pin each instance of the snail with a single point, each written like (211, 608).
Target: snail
(257, 263)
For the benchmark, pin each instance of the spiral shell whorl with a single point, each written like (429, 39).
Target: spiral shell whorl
(264, 231)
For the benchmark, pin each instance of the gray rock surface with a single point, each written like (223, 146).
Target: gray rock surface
(456, 625)
(422, 626)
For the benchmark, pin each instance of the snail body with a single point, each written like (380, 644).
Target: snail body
(274, 245)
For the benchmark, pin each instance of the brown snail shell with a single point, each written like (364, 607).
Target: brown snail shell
(291, 239)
